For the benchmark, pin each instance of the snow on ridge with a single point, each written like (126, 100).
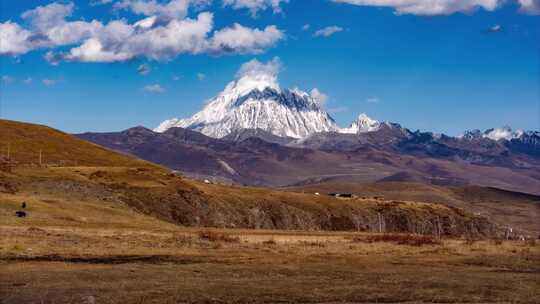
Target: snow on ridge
(255, 101)
(504, 133)
(362, 124)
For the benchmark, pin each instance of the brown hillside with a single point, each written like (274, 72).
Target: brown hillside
(104, 188)
(25, 141)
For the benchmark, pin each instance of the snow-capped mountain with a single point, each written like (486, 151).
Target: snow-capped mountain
(505, 133)
(255, 101)
(362, 124)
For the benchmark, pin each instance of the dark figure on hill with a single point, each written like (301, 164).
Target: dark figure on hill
(20, 214)
(23, 205)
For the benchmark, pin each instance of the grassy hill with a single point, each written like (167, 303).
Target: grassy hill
(25, 142)
(89, 182)
(514, 209)
(112, 229)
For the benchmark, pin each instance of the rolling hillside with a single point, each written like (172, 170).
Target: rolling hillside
(107, 183)
(26, 141)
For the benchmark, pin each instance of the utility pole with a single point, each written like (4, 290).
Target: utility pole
(380, 222)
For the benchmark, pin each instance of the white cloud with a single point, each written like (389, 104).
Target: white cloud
(176, 9)
(244, 40)
(201, 76)
(144, 69)
(328, 31)
(373, 100)
(151, 38)
(176, 77)
(49, 82)
(100, 2)
(306, 27)
(495, 28)
(28, 80)
(319, 96)
(7, 79)
(49, 16)
(255, 68)
(13, 39)
(48, 29)
(531, 7)
(430, 7)
(254, 6)
(154, 88)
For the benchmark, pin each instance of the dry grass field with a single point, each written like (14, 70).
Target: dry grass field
(167, 264)
(116, 230)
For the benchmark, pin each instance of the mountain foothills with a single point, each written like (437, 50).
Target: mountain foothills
(256, 133)
(115, 190)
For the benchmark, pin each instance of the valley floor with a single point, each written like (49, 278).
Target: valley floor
(168, 264)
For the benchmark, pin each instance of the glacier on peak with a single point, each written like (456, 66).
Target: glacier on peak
(362, 124)
(254, 100)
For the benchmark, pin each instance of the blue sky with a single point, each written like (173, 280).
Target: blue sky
(444, 70)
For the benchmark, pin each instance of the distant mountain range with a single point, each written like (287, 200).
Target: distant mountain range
(255, 133)
(391, 153)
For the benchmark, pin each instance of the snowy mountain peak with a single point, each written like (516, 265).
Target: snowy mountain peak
(504, 133)
(362, 124)
(496, 134)
(255, 101)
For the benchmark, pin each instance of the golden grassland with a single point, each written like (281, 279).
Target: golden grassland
(167, 264)
(101, 231)
(26, 141)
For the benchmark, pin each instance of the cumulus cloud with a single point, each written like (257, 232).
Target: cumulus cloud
(254, 6)
(240, 39)
(13, 39)
(48, 29)
(328, 31)
(254, 68)
(154, 88)
(531, 7)
(144, 69)
(430, 7)
(152, 38)
(46, 17)
(173, 9)
(319, 96)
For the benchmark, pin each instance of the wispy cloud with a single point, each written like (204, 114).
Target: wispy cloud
(306, 27)
(373, 100)
(254, 6)
(432, 7)
(28, 80)
(201, 76)
(319, 96)
(328, 31)
(337, 110)
(7, 79)
(154, 88)
(49, 82)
